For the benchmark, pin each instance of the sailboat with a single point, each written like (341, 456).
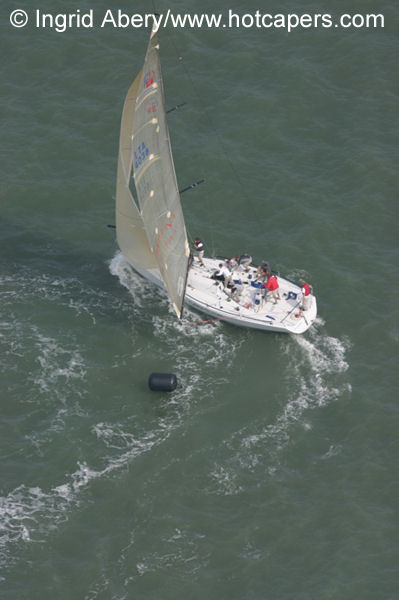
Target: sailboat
(151, 232)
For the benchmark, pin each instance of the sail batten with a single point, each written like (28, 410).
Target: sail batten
(155, 229)
(141, 172)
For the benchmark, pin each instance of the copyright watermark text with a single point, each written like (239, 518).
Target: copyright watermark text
(19, 18)
(119, 19)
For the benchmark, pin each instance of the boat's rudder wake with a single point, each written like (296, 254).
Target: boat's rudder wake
(316, 374)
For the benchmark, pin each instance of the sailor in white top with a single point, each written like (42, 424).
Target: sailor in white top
(222, 274)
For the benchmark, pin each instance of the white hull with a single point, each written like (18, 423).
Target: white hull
(253, 308)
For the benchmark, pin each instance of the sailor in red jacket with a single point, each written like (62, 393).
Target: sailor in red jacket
(306, 290)
(273, 287)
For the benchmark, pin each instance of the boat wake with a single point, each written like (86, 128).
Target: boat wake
(315, 376)
(317, 364)
(30, 513)
(315, 368)
(59, 385)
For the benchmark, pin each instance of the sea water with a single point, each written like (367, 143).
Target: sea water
(271, 471)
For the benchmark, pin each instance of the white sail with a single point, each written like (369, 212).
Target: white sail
(130, 231)
(160, 218)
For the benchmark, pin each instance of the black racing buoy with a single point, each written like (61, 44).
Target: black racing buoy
(162, 382)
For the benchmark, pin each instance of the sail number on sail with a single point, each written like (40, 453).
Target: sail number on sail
(149, 78)
(140, 154)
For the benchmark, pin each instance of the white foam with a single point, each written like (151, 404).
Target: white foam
(325, 354)
(178, 548)
(116, 438)
(23, 513)
(162, 315)
(101, 588)
(225, 481)
(70, 293)
(319, 363)
(29, 513)
(60, 366)
(139, 288)
(333, 450)
(315, 375)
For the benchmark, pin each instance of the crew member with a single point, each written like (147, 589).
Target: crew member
(199, 246)
(273, 287)
(263, 271)
(306, 290)
(222, 274)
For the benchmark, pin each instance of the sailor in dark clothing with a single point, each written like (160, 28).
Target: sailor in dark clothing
(199, 246)
(263, 272)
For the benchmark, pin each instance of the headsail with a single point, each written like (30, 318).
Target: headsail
(130, 231)
(160, 214)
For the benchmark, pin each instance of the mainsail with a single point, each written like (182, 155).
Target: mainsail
(152, 235)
